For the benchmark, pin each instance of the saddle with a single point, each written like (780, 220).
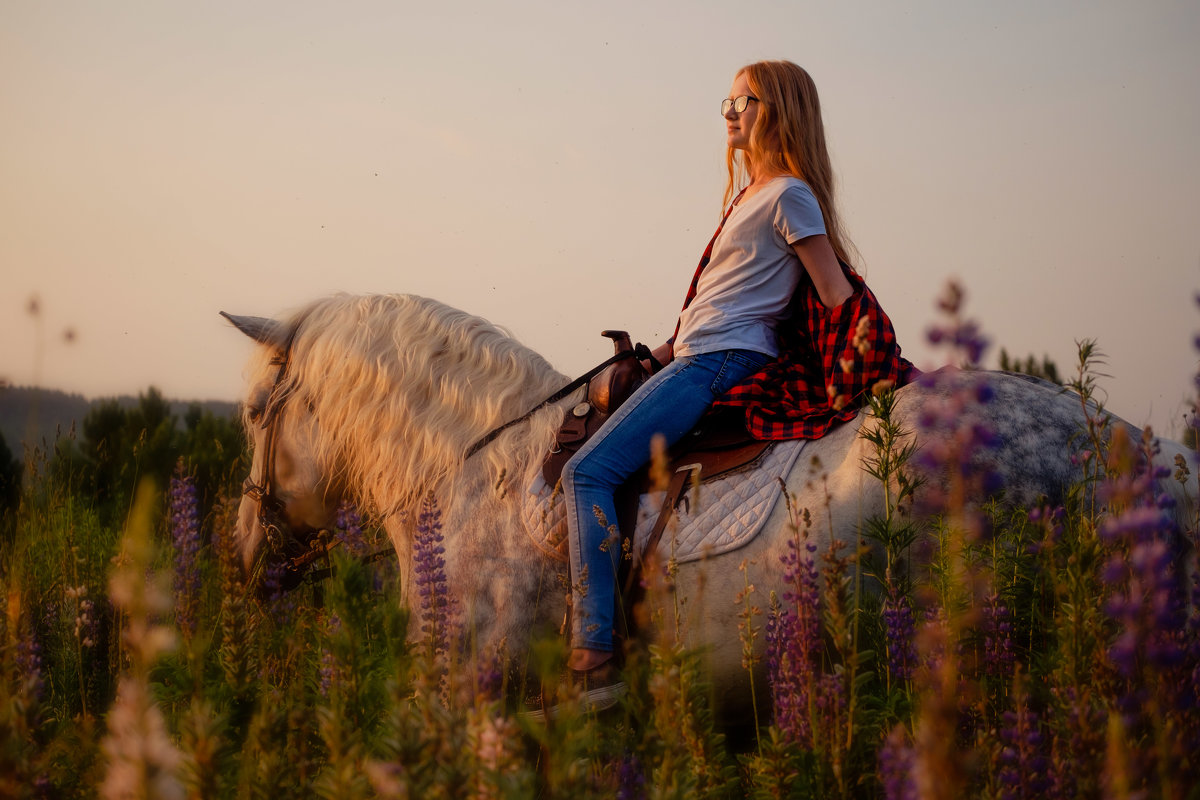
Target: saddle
(718, 445)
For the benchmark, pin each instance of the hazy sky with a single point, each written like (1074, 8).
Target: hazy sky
(557, 167)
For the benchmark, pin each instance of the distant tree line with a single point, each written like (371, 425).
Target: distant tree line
(1044, 369)
(116, 446)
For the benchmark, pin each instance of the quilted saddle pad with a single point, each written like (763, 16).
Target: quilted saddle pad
(723, 515)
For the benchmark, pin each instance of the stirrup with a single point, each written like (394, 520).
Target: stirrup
(601, 689)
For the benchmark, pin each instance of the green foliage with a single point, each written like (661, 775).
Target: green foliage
(214, 450)
(781, 770)
(119, 446)
(688, 753)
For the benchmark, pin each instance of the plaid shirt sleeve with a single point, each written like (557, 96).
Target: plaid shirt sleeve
(829, 361)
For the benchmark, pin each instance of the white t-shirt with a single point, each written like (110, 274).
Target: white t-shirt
(743, 293)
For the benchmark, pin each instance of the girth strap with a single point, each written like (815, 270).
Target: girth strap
(677, 488)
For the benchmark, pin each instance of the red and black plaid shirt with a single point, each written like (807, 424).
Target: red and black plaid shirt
(828, 363)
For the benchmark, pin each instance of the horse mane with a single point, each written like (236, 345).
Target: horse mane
(401, 386)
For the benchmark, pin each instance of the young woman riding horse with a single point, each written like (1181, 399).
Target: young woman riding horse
(776, 323)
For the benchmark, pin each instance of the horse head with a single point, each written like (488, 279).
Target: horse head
(288, 497)
(379, 399)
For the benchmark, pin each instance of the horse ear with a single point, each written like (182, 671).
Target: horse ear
(260, 329)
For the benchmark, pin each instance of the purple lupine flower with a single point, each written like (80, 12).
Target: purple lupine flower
(184, 522)
(29, 665)
(1189, 686)
(1148, 599)
(281, 604)
(899, 630)
(429, 565)
(830, 704)
(896, 761)
(1145, 523)
(1024, 767)
(1078, 739)
(935, 644)
(330, 669)
(489, 675)
(1146, 603)
(631, 778)
(1051, 521)
(954, 437)
(962, 335)
(998, 656)
(793, 642)
(348, 529)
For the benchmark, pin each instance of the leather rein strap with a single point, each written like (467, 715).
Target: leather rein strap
(639, 351)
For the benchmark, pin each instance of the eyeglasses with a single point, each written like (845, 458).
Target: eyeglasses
(738, 104)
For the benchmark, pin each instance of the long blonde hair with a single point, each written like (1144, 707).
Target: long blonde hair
(789, 139)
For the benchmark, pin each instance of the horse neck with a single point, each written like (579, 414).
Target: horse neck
(399, 439)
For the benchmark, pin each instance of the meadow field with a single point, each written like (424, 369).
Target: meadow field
(972, 651)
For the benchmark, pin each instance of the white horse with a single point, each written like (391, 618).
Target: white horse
(380, 397)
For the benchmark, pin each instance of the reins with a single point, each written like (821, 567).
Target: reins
(639, 351)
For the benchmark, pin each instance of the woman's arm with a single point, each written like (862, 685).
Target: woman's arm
(818, 259)
(664, 353)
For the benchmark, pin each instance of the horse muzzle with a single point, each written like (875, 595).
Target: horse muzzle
(289, 553)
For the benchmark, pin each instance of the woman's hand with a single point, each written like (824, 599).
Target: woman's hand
(818, 259)
(664, 353)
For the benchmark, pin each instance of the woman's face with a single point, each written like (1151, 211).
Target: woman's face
(739, 126)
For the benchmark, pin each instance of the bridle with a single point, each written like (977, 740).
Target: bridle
(297, 554)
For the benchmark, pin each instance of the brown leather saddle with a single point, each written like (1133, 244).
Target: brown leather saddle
(718, 446)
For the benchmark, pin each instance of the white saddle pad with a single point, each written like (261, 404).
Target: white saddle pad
(724, 515)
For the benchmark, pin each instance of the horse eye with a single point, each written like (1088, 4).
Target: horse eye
(254, 413)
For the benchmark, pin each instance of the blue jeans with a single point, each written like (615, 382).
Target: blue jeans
(670, 403)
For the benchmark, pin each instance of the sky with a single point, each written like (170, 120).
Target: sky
(558, 167)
